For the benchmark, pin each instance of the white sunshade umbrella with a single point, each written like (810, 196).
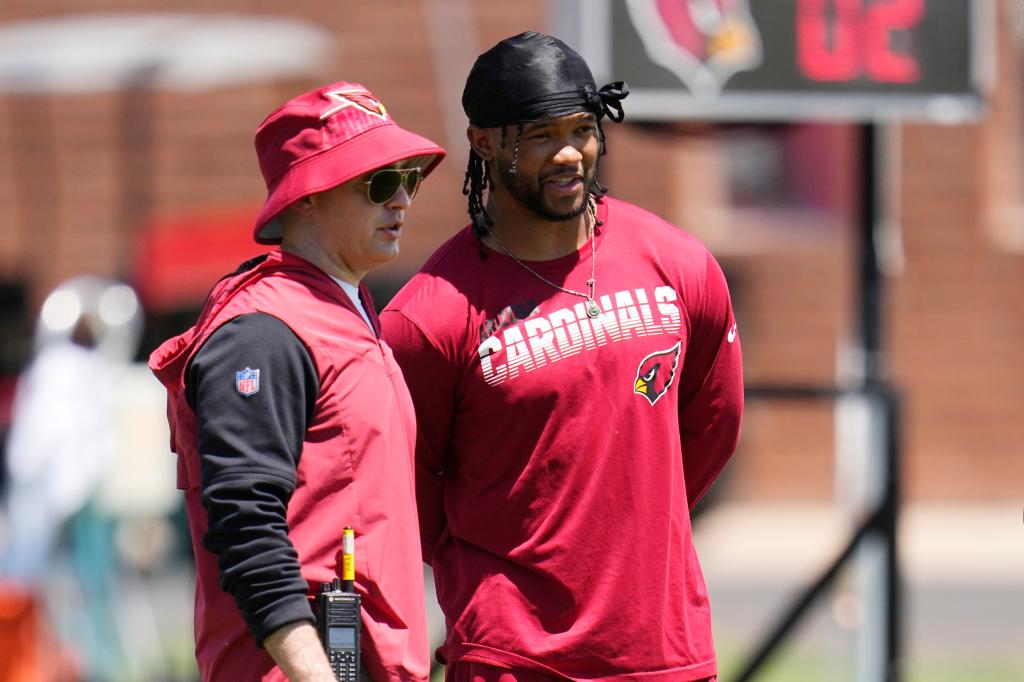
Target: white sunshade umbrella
(95, 52)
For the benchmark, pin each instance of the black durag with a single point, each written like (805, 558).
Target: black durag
(532, 77)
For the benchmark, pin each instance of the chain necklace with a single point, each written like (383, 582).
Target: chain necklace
(593, 309)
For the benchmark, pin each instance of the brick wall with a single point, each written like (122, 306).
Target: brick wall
(957, 312)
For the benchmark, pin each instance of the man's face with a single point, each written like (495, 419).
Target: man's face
(557, 165)
(360, 234)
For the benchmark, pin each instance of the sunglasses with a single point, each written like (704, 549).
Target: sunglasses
(384, 184)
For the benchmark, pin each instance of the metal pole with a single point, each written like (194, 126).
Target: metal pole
(879, 579)
(889, 521)
(870, 272)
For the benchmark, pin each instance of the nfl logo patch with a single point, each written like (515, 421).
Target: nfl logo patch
(247, 382)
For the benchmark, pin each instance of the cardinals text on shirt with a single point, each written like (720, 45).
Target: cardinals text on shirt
(544, 339)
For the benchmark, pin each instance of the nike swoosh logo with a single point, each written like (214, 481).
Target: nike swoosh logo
(732, 334)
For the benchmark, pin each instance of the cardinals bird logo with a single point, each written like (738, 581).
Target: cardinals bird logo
(354, 97)
(656, 372)
(704, 42)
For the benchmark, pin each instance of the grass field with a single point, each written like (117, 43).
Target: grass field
(796, 664)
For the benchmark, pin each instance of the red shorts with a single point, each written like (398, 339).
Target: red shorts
(469, 671)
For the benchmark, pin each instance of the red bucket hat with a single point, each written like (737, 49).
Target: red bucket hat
(323, 138)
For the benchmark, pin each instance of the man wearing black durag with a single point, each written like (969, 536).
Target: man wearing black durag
(575, 368)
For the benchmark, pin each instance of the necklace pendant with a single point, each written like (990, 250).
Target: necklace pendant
(593, 310)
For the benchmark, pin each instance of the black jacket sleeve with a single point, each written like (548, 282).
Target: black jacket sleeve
(249, 448)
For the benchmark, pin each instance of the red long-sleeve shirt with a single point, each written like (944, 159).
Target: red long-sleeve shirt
(558, 456)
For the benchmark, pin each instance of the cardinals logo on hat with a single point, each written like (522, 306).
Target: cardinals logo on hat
(655, 373)
(354, 97)
(704, 42)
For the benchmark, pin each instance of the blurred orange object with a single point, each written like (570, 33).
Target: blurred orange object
(28, 650)
(180, 257)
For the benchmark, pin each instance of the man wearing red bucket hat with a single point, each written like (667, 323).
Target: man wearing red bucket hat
(288, 414)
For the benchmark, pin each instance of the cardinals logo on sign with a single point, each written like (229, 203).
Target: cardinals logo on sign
(704, 42)
(354, 97)
(656, 372)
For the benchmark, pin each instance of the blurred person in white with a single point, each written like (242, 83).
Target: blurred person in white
(63, 442)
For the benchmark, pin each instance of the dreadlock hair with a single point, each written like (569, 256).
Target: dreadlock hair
(598, 190)
(478, 178)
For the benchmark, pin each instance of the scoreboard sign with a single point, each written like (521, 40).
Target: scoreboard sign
(787, 59)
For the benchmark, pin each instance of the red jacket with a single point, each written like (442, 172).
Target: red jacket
(355, 469)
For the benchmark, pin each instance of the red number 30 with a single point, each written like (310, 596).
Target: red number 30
(860, 39)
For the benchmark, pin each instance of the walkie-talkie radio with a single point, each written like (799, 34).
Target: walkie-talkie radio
(338, 616)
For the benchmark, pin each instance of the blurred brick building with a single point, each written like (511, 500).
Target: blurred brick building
(158, 186)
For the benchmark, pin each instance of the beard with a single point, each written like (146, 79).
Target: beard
(528, 191)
